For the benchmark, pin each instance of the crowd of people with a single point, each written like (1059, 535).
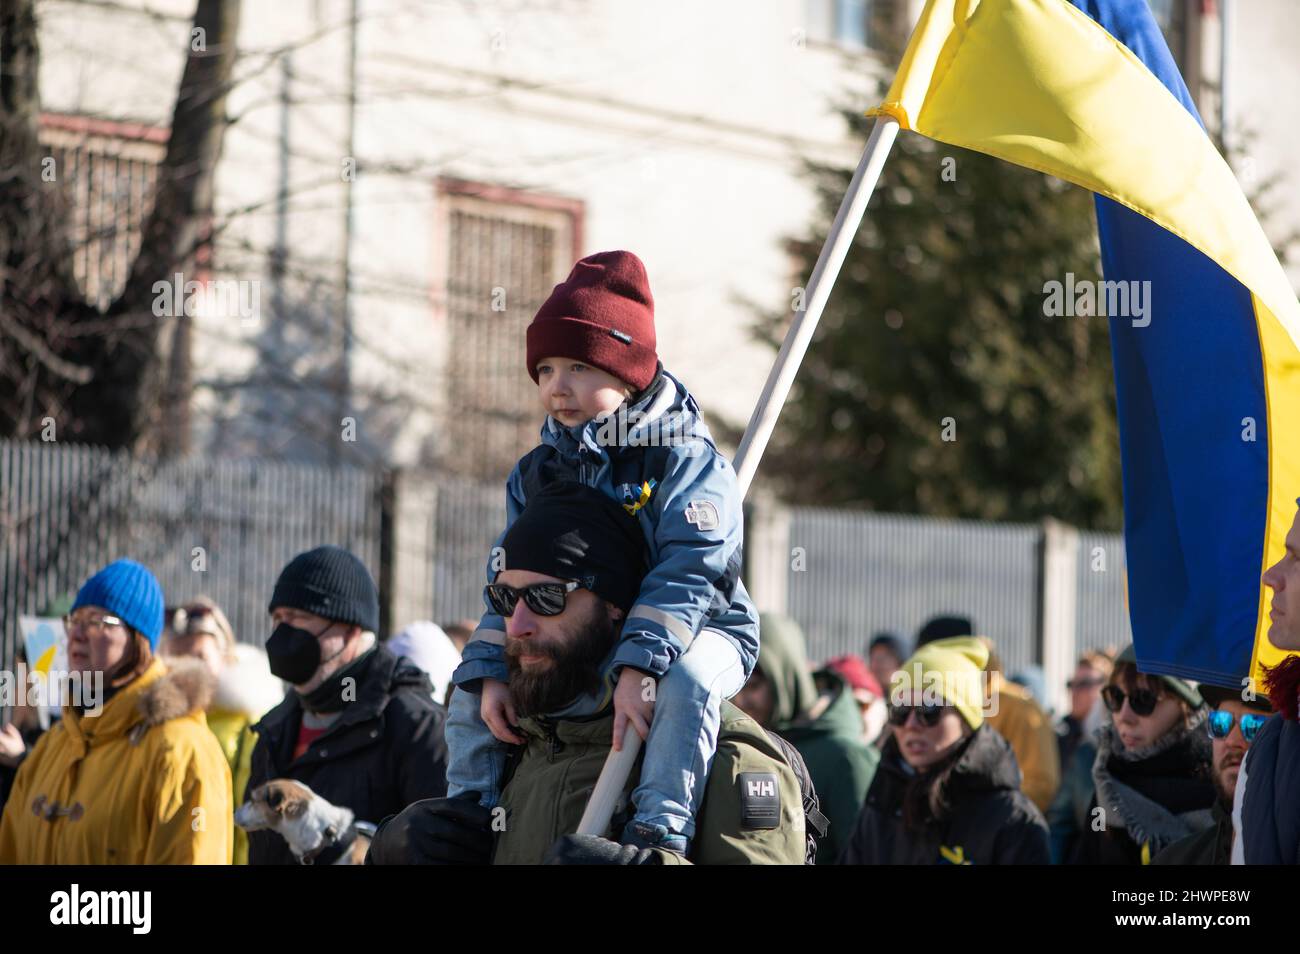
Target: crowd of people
(615, 611)
(1141, 769)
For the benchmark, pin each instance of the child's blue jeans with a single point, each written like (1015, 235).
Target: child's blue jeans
(678, 754)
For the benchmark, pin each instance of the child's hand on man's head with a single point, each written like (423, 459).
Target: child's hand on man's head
(498, 711)
(634, 704)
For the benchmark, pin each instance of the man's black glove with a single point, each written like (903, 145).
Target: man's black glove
(594, 850)
(435, 831)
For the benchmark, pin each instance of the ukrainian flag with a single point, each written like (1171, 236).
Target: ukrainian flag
(1209, 390)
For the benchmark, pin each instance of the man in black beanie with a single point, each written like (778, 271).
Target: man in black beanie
(944, 627)
(581, 537)
(571, 568)
(360, 727)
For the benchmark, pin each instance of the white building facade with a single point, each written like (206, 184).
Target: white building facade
(403, 182)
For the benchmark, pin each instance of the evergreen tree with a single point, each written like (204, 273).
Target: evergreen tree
(936, 383)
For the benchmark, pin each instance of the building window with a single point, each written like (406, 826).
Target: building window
(855, 24)
(108, 171)
(505, 251)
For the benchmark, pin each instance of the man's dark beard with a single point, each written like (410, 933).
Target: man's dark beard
(1226, 795)
(574, 668)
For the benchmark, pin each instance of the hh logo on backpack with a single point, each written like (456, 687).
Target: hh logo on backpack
(760, 800)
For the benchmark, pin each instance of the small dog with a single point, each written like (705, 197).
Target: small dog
(309, 823)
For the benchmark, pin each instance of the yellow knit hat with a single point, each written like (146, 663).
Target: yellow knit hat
(946, 671)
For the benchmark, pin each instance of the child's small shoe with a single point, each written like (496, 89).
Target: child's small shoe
(645, 835)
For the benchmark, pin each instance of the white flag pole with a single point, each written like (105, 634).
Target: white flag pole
(827, 269)
(618, 765)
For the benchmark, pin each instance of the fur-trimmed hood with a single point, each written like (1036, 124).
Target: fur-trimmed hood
(246, 686)
(187, 685)
(161, 693)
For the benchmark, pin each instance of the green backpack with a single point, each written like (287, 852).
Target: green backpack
(759, 805)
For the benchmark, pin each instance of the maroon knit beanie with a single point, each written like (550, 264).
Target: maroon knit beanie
(603, 315)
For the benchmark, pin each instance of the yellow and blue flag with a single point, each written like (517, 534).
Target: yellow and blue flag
(1208, 379)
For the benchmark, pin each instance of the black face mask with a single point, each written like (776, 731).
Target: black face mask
(294, 654)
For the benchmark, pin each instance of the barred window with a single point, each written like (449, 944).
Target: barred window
(108, 172)
(857, 24)
(505, 253)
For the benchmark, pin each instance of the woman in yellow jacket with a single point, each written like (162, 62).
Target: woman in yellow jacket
(245, 688)
(130, 774)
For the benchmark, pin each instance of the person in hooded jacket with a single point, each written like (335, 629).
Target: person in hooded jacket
(1152, 780)
(817, 714)
(948, 788)
(867, 692)
(360, 727)
(426, 644)
(130, 774)
(245, 689)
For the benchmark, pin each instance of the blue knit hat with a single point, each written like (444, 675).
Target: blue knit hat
(332, 583)
(130, 592)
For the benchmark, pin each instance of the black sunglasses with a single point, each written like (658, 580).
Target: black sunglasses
(1141, 701)
(544, 599)
(928, 714)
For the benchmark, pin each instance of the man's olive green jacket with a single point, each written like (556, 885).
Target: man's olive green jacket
(750, 787)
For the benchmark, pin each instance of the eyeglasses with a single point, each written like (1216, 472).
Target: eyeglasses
(1141, 701)
(1084, 683)
(193, 621)
(544, 599)
(90, 625)
(927, 714)
(1220, 724)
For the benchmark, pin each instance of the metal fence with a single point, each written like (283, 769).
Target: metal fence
(1103, 606)
(854, 574)
(226, 528)
(467, 520)
(867, 572)
(220, 528)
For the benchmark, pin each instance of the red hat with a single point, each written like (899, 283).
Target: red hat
(853, 670)
(603, 315)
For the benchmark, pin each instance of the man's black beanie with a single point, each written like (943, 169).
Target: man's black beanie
(332, 583)
(944, 627)
(575, 532)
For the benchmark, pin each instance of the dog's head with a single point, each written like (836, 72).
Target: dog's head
(291, 809)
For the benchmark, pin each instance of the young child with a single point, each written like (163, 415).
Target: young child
(620, 423)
